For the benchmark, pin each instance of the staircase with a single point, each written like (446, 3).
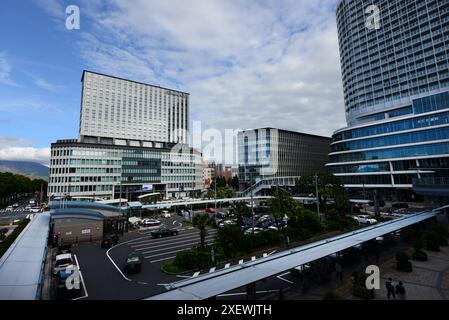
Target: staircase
(267, 183)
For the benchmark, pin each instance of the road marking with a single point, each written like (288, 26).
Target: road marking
(141, 240)
(180, 246)
(158, 260)
(174, 221)
(82, 279)
(179, 276)
(244, 293)
(284, 274)
(112, 261)
(174, 240)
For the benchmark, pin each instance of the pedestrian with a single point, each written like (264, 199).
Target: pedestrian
(400, 290)
(338, 271)
(389, 284)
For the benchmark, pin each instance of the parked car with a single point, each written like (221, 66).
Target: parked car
(227, 223)
(254, 230)
(133, 263)
(150, 222)
(165, 214)
(164, 231)
(109, 241)
(365, 219)
(62, 261)
(220, 215)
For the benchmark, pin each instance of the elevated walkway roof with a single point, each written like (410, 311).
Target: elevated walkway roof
(21, 267)
(213, 284)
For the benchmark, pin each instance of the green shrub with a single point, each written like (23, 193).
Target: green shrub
(359, 287)
(402, 262)
(195, 258)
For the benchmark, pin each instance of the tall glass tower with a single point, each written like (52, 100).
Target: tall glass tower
(395, 72)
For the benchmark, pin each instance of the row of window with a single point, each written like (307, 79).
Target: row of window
(395, 126)
(379, 179)
(404, 138)
(402, 152)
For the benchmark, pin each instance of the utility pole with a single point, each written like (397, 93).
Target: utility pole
(317, 197)
(252, 200)
(215, 187)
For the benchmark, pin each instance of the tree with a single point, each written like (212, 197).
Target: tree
(240, 210)
(282, 204)
(201, 221)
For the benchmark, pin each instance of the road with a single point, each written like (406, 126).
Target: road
(104, 281)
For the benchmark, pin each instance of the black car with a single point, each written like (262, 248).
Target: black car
(163, 231)
(133, 263)
(109, 241)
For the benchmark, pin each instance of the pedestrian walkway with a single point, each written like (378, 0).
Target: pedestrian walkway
(428, 281)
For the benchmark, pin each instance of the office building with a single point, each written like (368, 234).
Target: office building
(269, 152)
(132, 142)
(396, 91)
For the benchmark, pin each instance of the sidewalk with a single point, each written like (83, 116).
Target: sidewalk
(428, 281)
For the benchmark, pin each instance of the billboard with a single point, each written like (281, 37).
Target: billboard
(147, 187)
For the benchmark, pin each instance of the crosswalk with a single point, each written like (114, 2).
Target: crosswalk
(162, 249)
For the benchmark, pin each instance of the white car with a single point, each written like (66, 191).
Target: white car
(227, 223)
(365, 219)
(150, 222)
(62, 261)
(254, 230)
(165, 214)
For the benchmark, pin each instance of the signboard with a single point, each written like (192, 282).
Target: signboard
(85, 231)
(147, 187)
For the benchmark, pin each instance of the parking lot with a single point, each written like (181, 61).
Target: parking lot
(103, 269)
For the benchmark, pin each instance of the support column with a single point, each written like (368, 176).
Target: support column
(251, 291)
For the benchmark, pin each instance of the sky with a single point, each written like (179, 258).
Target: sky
(245, 63)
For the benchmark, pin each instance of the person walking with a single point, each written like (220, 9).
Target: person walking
(389, 284)
(338, 271)
(400, 290)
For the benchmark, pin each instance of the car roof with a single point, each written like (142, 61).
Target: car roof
(64, 256)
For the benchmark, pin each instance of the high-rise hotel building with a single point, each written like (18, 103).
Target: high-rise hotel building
(132, 141)
(396, 90)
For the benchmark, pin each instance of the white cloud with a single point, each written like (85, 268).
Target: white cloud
(5, 71)
(44, 84)
(21, 150)
(245, 63)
